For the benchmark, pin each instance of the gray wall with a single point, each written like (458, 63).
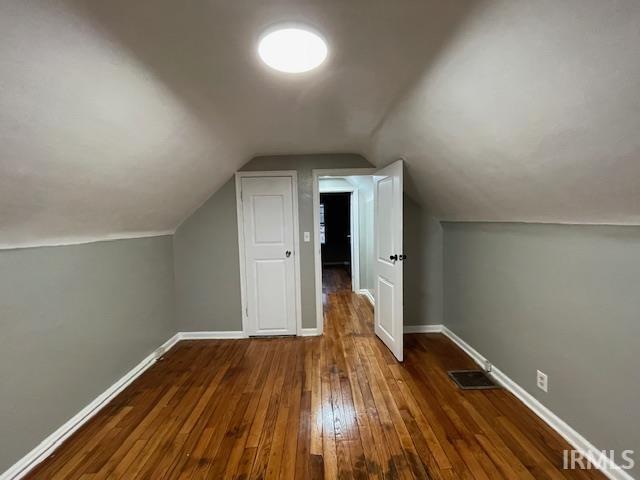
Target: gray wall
(561, 299)
(207, 275)
(206, 248)
(422, 271)
(73, 320)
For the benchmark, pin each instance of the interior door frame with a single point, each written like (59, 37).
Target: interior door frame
(293, 174)
(354, 231)
(317, 254)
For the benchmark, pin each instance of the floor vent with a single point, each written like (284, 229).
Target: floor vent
(472, 379)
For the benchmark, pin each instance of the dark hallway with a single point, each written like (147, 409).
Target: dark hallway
(335, 236)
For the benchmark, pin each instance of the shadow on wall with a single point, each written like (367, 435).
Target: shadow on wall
(422, 274)
(207, 275)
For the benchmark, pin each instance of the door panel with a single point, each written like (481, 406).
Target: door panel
(270, 286)
(267, 219)
(385, 305)
(384, 189)
(387, 201)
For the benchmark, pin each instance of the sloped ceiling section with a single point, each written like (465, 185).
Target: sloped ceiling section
(121, 117)
(531, 112)
(92, 143)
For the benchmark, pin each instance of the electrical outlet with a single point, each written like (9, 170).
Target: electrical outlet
(307, 236)
(542, 381)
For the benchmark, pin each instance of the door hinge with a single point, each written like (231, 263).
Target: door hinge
(246, 311)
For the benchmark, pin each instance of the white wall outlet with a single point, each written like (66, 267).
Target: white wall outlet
(542, 381)
(307, 237)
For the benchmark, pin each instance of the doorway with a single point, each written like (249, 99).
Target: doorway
(374, 267)
(343, 231)
(338, 248)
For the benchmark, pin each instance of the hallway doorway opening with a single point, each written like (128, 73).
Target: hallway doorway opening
(337, 248)
(373, 264)
(343, 234)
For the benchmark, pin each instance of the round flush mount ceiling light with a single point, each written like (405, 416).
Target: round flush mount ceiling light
(292, 49)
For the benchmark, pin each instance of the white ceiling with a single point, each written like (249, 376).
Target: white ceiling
(531, 112)
(119, 118)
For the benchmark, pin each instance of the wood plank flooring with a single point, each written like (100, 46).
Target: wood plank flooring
(336, 406)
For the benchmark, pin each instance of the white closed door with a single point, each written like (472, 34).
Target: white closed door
(389, 256)
(268, 227)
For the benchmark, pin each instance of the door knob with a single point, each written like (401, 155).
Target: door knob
(287, 253)
(402, 257)
(393, 257)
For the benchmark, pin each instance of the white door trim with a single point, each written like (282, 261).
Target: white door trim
(296, 243)
(317, 173)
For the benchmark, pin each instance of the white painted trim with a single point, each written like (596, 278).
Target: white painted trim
(468, 349)
(211, 335)
(586, 448)
(241, 251)
(367, 293)
(310, 332)
(317, 255)
(355, 240)
(337, 189)
(354, 229)
(344, 172)
(62, 242)
(317, 260)
(423, 328)
(297, 253)
(296, 241)
(53, 441)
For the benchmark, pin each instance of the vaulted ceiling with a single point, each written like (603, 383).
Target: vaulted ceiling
(121, 117)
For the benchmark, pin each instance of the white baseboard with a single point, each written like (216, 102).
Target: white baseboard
(468, 349)
(423, 328)
(211, 335)
(309, 332)
(53, 441)
(577, 441)
(368, 294)
(47, 446)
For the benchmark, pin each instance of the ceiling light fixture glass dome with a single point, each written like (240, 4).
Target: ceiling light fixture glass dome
(292, 49)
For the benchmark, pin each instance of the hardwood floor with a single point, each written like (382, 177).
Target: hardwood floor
(335, 279)
(337, 406)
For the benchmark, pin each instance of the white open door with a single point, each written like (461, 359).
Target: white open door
(387, 204)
